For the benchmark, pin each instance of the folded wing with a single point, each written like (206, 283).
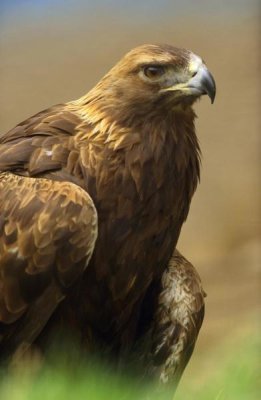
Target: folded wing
(48, 231)
(169, 342)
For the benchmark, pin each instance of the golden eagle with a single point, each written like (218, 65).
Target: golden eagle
(93, 195)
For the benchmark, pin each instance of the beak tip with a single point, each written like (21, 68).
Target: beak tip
(210, 86)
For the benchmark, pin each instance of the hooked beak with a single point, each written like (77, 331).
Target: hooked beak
(202, 83)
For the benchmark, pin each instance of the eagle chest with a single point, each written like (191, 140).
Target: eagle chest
(141, 205)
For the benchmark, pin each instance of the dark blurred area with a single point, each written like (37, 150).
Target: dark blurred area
(55, 51)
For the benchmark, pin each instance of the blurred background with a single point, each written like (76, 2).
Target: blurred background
(55, 51)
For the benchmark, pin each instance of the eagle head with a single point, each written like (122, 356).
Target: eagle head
(158, 74)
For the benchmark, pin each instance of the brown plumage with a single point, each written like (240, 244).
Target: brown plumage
(129, 151)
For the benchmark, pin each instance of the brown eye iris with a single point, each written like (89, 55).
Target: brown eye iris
(154, 71)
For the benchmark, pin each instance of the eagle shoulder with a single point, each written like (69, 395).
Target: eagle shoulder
(41, 144)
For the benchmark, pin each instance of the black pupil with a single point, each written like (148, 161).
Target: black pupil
(154, 71)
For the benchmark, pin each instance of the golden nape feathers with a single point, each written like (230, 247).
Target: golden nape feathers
(94, 193)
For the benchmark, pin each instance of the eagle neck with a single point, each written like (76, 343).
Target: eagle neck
(159, 147)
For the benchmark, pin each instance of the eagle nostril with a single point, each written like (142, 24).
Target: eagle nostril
(194, 74)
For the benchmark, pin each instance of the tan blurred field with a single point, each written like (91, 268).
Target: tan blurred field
(54, 60)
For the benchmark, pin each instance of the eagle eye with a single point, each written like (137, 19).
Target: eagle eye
(154, 72)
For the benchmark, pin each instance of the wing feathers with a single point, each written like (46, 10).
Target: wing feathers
(47, 233)
(16, 341)
(40, 143)
(177, 320)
